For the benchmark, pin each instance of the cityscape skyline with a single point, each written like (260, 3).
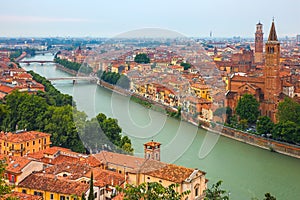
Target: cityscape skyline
(110, 18)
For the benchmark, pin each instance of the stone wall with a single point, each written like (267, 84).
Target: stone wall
(256, 140)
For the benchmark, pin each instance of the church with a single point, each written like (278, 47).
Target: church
(269, 85)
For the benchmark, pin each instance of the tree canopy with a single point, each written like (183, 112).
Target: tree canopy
(142, 58)
(4, 187)
(151, 191)
(55, 114)
(264, 125)
(78, 67)
(248, 108)
(186, 65)
(216, 193)
(289, 110)
(114, 78)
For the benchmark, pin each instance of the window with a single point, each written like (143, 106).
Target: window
(95, 195)
(27, 143)
(68, 198)
(120, 172)
(39, 141)
(102, 192)
(24, 191)
(196, 190)
(45, 141)
(148, 178)
(51, 196)
(12, 179)
(33, 142)
(37, 193)
(62, 197)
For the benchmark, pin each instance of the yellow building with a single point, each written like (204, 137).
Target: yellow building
(202, 91)
(22, 143)
(140, 170)
(52, 188)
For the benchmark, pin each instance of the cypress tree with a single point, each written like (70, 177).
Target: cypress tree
(91, 194)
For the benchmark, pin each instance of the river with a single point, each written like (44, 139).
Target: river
(246, 171)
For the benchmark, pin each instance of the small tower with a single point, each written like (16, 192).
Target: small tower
(152, 150)
(259, 43)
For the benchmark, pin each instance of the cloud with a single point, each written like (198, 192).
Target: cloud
(37, 19)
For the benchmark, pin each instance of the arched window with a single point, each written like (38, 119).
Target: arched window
(196, 188)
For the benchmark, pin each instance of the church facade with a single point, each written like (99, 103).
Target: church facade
(266, 86)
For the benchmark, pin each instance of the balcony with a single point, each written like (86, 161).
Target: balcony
(16, 150)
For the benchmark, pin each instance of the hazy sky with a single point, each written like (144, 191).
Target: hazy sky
(98, 18)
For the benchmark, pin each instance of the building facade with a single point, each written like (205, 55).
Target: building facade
(23, 143)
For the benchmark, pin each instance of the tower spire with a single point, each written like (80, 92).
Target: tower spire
(273, 35)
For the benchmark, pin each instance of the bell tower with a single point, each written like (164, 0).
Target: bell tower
(152, 150)
(259, 42)
(271, 74)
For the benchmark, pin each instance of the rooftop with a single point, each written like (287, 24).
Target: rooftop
(22, 137)
(40, 182)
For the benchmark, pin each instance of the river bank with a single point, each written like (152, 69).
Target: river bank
(254, 140)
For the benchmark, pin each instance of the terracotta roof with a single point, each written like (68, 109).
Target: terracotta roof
(40, 182)
(22, 196)
(106, 177)
(131, 162)
(153, 168)
(248, 79)
(22, 137)
(91, 161)
(50, 151)
(55, 149)
(76, 170)
(60, 159)
(6, 89)
(16, 164)
(173, 173)
(152, 144)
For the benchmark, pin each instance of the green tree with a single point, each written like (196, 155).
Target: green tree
(59, 122)
(151, 191)
(91, 192)
(268, 196)
(3, 114)
(216, 193)
(82, 196)
(25, 110)
(248, 108)
(264, 125)
(142, 58)
(289, 110)
(286, 131)
(4, 188)
(243, 124)
(186, 66)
